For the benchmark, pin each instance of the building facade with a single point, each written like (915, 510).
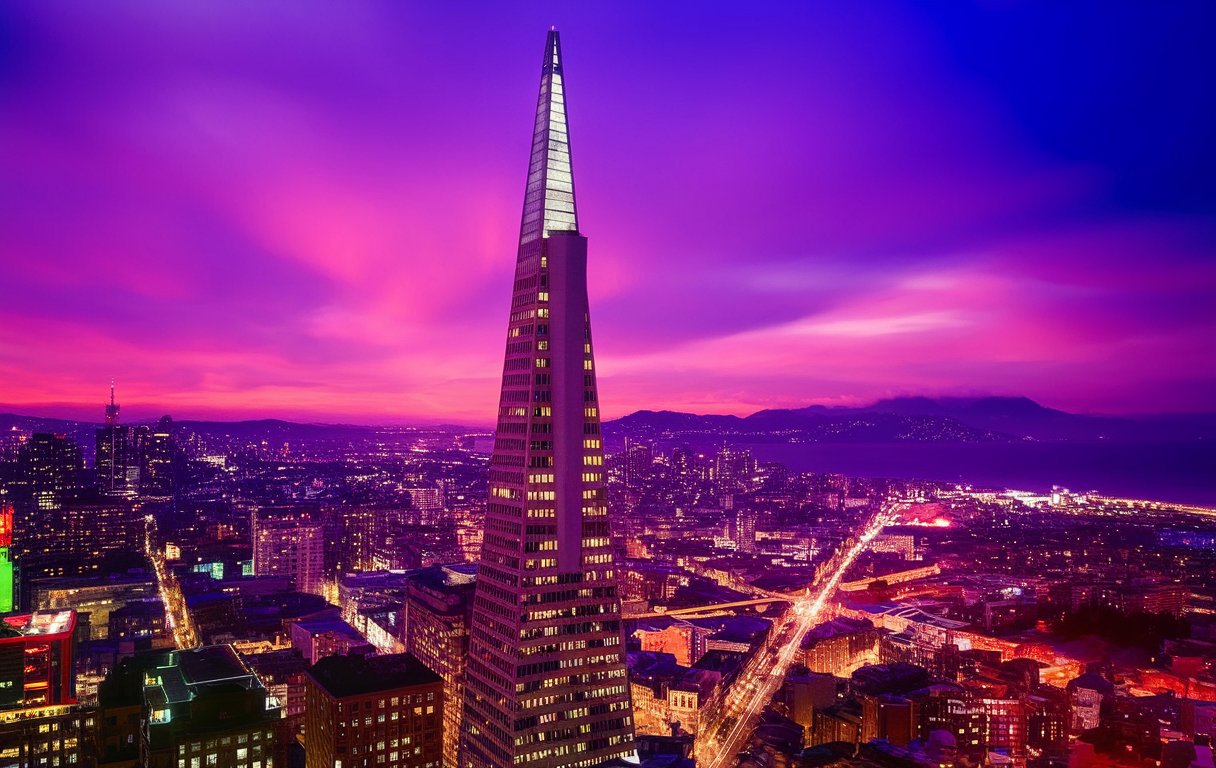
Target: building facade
(546, 682)
(205, 707)
(290, 543)
(365, 712)
(41, 723)
(119, 453)
(438, 609)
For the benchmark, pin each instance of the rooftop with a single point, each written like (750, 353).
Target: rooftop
(321, 626)
(38, 624)
(185, 674)
(841, 625)
(343, 676)
(209, 664)
(457, 578)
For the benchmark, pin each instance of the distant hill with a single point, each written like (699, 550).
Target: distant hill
(1023, 416)
(40, 424)
(276, 429)
(917, 419)
(895, 420)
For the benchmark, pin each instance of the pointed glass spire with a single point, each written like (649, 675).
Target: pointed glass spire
(549, 198)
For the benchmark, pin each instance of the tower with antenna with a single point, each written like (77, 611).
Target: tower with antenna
(112, 408)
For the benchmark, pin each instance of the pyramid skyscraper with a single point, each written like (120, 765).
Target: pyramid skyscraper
(546, 682)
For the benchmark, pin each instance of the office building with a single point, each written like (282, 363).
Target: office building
(158, 468)
(545, 681)
(119, 453)
(373, 711)
(74, 537)
(40, 721)
(438, 610)
(290, 543)
(360, 523)
(48, 473)
(204, 707)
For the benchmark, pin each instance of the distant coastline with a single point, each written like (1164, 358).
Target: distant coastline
(1179, 472)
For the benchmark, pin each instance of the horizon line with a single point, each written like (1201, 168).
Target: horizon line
(73, 412)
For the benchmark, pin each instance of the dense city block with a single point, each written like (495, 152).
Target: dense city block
(313, 569)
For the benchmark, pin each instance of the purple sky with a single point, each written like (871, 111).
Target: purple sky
(310, 210)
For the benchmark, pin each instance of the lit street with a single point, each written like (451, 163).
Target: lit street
(726, 732)
(176, 614)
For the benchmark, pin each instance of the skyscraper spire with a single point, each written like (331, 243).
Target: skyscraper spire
(545, 682)
(549, 196)
(112, 408)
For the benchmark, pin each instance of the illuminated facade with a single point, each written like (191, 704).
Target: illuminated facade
(6, 561)
(40, 724)
(290, 543)
(92, 599)
(36, 659)
(438, 606)
(74, 537)
(373, 711)
(48, 467)
(545, 681)
(44, 736)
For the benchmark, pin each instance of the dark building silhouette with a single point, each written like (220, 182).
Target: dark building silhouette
(48, 473)
(119, 453)
(159, 461)
(206, 707)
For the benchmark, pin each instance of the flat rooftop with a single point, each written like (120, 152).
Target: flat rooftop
(209, 664)
(352, 675)
(184, 674)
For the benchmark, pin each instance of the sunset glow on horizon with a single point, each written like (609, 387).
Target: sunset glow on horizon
(247, 211)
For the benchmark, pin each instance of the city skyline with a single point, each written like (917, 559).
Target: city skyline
(839, 206)
(977, 241)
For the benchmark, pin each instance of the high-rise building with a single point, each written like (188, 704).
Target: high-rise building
(158, 460)
(119, 453)
(48, 472)
(41, 723)
(545, 681)
(438, 610)
(290, 543)
(205, 707)
(75, 537)
(639, 458)
(355, 547)
(428, 501)
(733, 470)
(745, 530)
(373, 710)
(6, 561)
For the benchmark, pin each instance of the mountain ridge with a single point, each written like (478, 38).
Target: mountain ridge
(942, 419)
(896, 419)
